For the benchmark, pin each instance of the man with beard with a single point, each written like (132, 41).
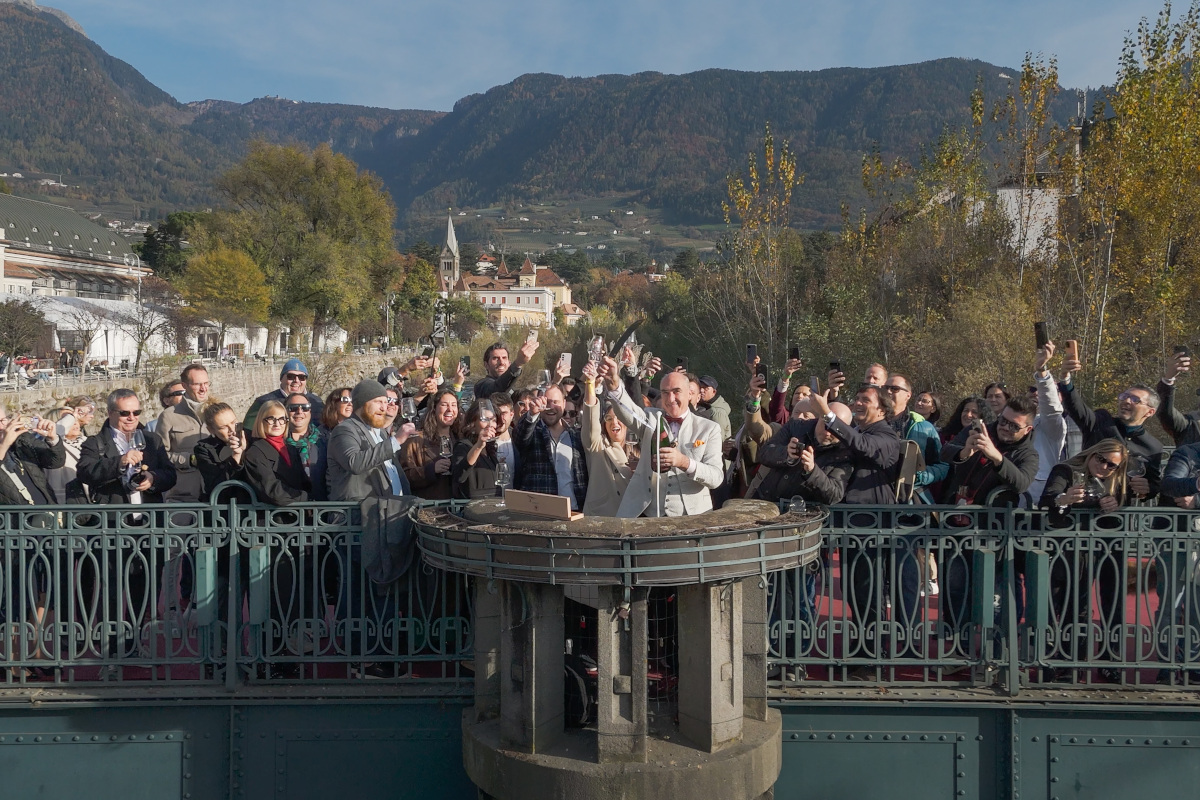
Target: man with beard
(363, 458)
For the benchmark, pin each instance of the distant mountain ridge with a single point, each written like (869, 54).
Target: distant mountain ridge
(668, 139)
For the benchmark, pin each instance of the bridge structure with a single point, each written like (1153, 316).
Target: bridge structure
(233, 650)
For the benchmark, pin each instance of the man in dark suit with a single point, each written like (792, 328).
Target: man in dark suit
(125, 463)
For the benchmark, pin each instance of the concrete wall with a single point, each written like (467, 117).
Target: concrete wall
(237, 386)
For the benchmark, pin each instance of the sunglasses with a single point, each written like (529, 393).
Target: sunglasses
(294, 407)
(345, 400)
(1104, 462)
(1131, 397)
(894, 389)
(127, 414)
(392, 401)
(275, 420)
(296, 377)
(180, 393)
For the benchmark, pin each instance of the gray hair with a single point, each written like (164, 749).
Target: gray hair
(115, 396)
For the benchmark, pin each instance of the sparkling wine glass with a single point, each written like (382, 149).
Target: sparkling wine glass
(503, 481)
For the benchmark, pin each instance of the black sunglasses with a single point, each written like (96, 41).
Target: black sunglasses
(128, 414)
(345, 399)
(180, 393)
(296, 376)
(294, 407)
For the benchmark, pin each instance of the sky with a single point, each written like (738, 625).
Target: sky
(427, 54)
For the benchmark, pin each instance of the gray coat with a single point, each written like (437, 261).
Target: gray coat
(355, 462)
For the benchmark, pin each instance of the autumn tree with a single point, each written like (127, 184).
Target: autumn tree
(318, 228)
(227, 287)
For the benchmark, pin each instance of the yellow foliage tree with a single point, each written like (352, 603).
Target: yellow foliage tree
(225, 286)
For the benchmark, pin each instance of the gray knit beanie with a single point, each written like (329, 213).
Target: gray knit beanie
(366, 390)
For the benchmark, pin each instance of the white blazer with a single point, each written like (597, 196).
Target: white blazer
(678, 494)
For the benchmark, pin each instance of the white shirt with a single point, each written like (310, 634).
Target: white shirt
(389, 466)
(563, 454)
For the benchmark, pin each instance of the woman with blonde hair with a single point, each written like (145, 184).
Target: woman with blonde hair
(1095, 480)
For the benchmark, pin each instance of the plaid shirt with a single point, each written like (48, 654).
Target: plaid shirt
(535, 451)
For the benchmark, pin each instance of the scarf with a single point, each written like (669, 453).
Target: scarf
(309, 441)
(280, 445)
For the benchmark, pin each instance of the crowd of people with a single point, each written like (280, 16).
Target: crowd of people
(624, 437)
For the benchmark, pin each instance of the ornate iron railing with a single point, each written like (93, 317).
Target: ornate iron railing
(233, 593)
(221, 593)
(1027, 599)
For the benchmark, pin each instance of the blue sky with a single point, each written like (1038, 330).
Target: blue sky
(428, 54)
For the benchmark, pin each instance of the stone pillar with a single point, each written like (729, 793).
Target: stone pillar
(487, 649)
(710, 664)
(532, 716)
(621, 718)
(754, 647)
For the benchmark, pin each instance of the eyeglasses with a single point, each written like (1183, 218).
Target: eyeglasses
(134, 413)
(570, 413)
(1104, 462)
(1131, 397)
(296, 377)
(346, 400)
(393, 401)
(275, 420)
(294, 407)
(1005, 422)
(894, 389)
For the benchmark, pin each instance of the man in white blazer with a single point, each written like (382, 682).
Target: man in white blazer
(679, 484)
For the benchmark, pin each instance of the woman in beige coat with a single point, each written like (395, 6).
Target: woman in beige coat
(610, 459)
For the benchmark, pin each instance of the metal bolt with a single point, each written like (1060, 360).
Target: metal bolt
(795, 736)
(58, 738)
(37, 738)
(942, 738)
(1054, 779)
(1054, 760)
(962, 774)
(1054, 740)
(924, 737)
(1034, 739)
(170, 736)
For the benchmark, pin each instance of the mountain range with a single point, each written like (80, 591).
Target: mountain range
(669, 141)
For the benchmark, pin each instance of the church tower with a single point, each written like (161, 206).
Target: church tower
(449, 270)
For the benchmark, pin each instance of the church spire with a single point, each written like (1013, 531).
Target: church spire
(451, 239)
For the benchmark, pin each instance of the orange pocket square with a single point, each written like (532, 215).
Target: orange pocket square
(698, 443)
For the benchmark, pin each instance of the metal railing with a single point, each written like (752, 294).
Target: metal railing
(233, 593)
(224, 593)
(1026, 600)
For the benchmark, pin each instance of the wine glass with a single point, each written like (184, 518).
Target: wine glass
(503, 481)
(137, 440)
(408, 409)
(444, 446)
(543, 379)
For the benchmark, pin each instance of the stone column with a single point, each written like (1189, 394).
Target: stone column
(531, 665)
(621, 718)
(487, 649)
(754, 647)
(710, 664)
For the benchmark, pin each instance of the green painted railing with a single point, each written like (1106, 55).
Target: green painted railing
(232, 593)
